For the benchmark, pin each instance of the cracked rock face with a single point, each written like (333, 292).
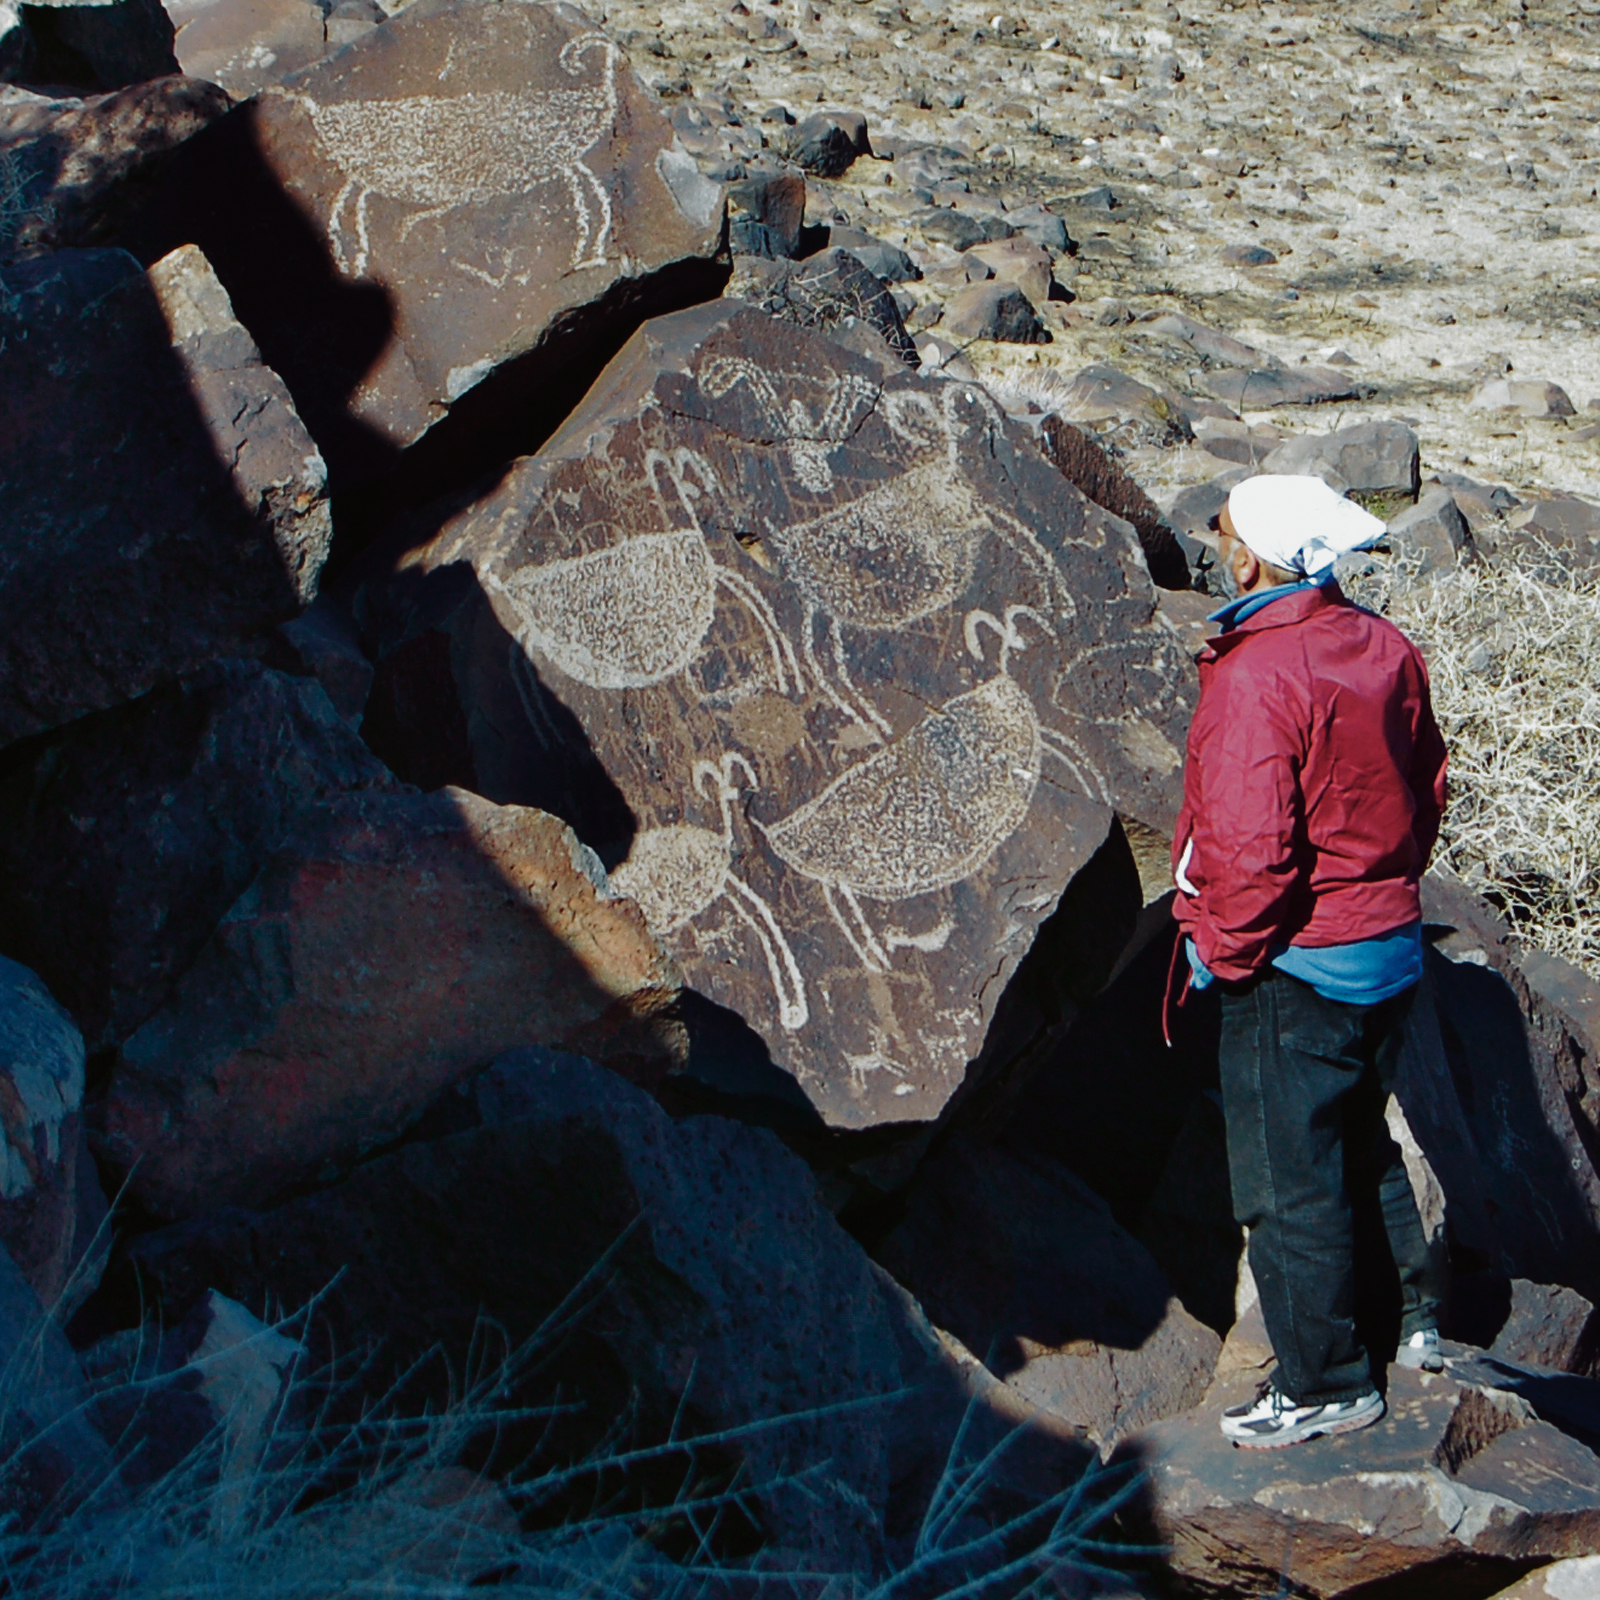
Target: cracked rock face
(838, 674)
(1455, 1477)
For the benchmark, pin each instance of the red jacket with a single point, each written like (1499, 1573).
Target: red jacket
(1314, 784)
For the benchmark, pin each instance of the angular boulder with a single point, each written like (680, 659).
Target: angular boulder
(1458, 1485)
(473, 189)
(1368, 456)
(1550, 1327)
(1266, 388)
(50, 1200)
(161, 503)
(1433, 532)
(125, 838)
(719, 1287)
(833, 292)
(103, 46)
(245, 45)
(1027, 1267)
(392, 944)
(78, 169)
(994, 310)
(829, 665)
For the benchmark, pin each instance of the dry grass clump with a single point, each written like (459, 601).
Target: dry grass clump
(1514, 653)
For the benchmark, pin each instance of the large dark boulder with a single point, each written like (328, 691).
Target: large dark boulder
(160, 502)
(125, 837)
(392, 944)
(827, 662)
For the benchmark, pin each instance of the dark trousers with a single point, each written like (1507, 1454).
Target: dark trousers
(1305, 1081)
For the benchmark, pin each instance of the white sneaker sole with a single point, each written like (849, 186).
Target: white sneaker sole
(1320, 1431)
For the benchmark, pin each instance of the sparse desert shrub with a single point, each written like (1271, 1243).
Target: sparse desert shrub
(311, 1501)
(1514, 654)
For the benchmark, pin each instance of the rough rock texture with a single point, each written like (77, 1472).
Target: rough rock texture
(1265, 388)
(392, 944)
(125, 838)
(766, 213)
(1026, 1266)
(994, 310)
(1102, 394)
(1368, 457)
(726, 1286)
(50, 1200)
(74, 170)
(1564, 528)
(843, 677)
(1458, 1484)
(464, 186)
(827, 142)
(1433, 532)
(1550, 1327)
(831, 292)
(245, 45)
(1100, 476)
(160, 501)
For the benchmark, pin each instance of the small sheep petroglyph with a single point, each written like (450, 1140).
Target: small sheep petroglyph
(438, 152)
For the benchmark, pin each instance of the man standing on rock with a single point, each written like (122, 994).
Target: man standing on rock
(1313, 790)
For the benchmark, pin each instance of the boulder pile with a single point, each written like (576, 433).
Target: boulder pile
(584, 807)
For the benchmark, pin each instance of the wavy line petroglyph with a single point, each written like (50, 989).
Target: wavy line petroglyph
(679, 871)
(439, 152)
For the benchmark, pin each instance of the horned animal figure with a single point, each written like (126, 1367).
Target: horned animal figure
(443, 151)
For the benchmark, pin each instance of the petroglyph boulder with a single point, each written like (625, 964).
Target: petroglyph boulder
(838, 674)
(472, 176)
(393, 943)
(161, 503)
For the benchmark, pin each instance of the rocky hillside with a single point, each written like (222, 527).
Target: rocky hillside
(596, 632)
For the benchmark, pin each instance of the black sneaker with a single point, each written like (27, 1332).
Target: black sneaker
(1272, 1420)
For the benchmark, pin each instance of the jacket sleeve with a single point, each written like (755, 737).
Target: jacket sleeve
(1244, 813)
(1428, 776)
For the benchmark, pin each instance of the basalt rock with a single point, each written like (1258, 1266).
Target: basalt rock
(474, 190)
(125, 838)
(831, 292)
(829, 665)
(1458, 1485)
(160, 502)
(245, 45)
(50, 1200)
(101, 46)
(1367, 457)
(75, 170)
(392, 944)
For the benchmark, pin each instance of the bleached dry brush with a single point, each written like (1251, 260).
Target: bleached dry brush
(1515, 663)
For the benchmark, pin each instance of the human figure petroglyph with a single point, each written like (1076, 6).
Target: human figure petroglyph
(679, 871)
(931, 808)
(442, 151)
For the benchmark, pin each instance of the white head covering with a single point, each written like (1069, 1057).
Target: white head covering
(1299, 523)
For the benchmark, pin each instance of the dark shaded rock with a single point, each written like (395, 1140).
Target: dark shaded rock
(728, 1291)
(1221, 348)
(1265, 388)
(882, 260)
(829, 663)
(53, 1455)
(1100, 476)
(767, 213)
(18, 52)
(326, 645)
(160, 502)
(246, 45)
(998, 311)
(1027, 1267)
(1248, 255)
(102, 46)
(1043, 228)
(1501, 1085)
(50, 1200)
(75, 170)
(1458, 1487)
(828, 142)
(1550, 1327)
(1433, 533)
(1193, 509)
(473, 189)
(1016, 261)
(391, 945)
(959, 229)
(830, 292)
(125, 838)
(1368, 457)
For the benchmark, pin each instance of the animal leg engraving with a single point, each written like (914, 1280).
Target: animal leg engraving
(777, 640)
(581, 256)
(825, 684)
(336, 228)
(837, 638)
(532, 698)
(782, 968)
(867, 950)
